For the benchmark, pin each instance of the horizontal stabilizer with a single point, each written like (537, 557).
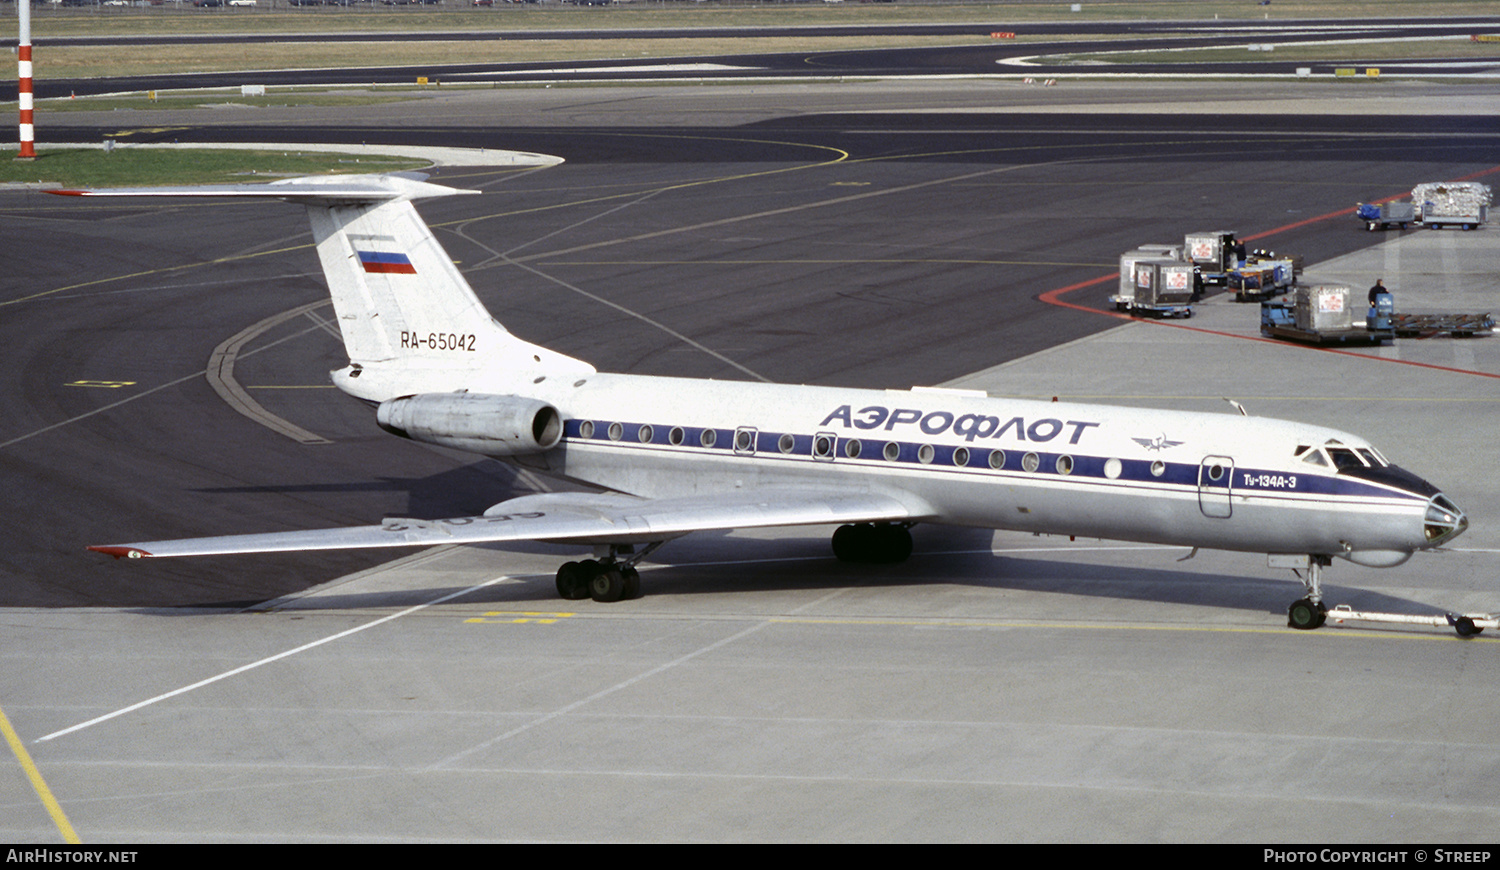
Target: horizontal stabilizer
(566, 517)
(318, 189)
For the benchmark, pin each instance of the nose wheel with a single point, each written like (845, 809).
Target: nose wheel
(1306, 614)
(1309, 612)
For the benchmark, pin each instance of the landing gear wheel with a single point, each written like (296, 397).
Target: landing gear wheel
(1466, 627)
(572, 582)
(632, 588)
(894, 545)
(1306, 614)
(870, 544)
(607, 584)
(852, 543)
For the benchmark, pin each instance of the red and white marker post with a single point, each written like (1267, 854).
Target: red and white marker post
(23, 93)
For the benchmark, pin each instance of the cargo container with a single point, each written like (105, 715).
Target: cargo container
(1463, 204)
(1124, 298)
(1213, 253)
(1163, 288)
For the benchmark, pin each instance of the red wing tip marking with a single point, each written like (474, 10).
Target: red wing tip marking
(121, 552)
(68, 193)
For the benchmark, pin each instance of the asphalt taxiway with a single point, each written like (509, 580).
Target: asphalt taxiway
(995, 687)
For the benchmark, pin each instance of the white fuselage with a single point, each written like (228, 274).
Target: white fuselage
(1193, 479)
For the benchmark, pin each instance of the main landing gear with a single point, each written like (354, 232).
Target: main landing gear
(872, 543)
(1310, 612)
(607, 579)
(615, 578)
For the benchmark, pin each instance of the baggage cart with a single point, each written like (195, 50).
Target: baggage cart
(1320, 314)
(1452, 325)
(1258, 280)
(1383, 216)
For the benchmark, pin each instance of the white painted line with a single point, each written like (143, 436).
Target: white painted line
(265, 661)
(602, 693)
(574, 70)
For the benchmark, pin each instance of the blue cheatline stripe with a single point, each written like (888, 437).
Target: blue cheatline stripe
(1084, 468)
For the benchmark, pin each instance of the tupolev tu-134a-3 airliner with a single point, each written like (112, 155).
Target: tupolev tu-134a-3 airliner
(676, 455)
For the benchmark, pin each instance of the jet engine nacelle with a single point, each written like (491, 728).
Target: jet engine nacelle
(477, 423)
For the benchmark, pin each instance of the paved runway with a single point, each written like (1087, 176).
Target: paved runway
(996, 687)
(1342, 39)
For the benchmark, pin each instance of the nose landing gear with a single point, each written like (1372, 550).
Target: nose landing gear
(1309, 613)
(1306, 614)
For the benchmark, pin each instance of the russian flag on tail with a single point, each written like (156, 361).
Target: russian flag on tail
(386, 262)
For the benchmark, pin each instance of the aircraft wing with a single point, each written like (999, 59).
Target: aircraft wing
(594, 518)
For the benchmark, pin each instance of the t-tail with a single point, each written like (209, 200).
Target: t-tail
(410, 322)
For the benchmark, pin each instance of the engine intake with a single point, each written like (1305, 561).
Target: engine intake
(478, 423)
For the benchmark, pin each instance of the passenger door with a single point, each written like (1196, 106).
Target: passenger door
(1215, 477)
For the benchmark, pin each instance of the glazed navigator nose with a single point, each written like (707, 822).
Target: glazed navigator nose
(1444, 521)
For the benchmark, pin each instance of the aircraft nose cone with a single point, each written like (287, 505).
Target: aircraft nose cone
(1444, 521)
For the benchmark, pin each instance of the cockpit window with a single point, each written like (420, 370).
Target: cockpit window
(1341, 457)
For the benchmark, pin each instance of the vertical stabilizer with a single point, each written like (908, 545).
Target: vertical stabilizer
(397, 295)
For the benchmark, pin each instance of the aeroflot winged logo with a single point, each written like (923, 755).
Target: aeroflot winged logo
(1160, 442)
(386, 262)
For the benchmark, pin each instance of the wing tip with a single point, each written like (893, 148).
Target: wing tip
(121, 552)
